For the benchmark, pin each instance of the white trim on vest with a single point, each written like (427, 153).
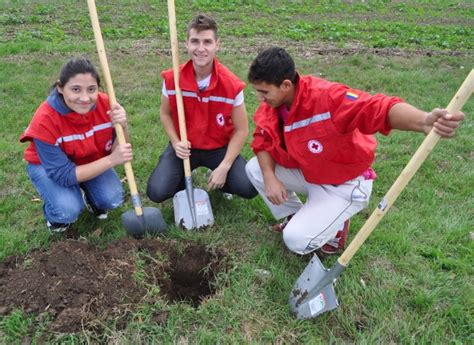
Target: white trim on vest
(88, 134)
(308, 121)
(203, 99)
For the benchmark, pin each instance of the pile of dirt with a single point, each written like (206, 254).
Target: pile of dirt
(81, 286)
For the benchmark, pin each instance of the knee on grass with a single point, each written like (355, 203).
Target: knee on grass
(251, 168)
(297, 243)
(110, 201)
(156, 194)
(65, 213)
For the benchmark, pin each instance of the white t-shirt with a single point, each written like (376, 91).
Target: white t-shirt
(203, 84)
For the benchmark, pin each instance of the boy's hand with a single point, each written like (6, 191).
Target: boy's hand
(182, 149)
(444, 123)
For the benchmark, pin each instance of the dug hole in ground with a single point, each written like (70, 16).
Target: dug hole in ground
(78, 286)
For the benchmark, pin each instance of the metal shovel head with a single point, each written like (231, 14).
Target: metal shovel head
(150, 222)
(313, 292)
(183, 214)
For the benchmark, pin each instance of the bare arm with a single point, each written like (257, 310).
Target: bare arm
(241, 130)
(275, 191)
(167, 120)
(119, 155)
(182, 149)
(406, 117)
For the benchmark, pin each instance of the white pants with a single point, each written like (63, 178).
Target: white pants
(326, 209)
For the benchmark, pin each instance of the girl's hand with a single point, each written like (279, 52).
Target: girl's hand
(118, 115)
(121, 154)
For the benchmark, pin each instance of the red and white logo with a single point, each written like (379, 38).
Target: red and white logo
(315, 146)
(220, 119)
(108, 145)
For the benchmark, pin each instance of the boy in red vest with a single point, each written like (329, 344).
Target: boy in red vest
(315, 137)
(216, 120)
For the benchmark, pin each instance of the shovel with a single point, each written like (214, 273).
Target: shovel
(313, 292)
(192, 207)
(141, 220)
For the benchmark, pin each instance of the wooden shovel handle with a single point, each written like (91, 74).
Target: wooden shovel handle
(179, 95)
(110, 91)
(408, 172)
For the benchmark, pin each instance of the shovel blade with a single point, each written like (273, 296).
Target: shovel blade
(313, 292)
(183, 215)
(150, 222)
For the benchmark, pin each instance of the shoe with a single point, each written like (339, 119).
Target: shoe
(337, 244)
(86, 202)
(227, 196)
(99, 214)
(57, 228)
(278, 228)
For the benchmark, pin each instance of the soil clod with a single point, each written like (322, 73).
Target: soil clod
(80, 286)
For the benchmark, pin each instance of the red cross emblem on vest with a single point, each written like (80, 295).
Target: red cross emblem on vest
(220, 120)
(315, 146)
(108, 145)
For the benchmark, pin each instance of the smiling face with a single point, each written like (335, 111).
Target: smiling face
(274, 95)
(80, 92)
(202, 48)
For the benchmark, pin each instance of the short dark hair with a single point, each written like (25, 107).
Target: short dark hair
(272, 66)
(74, 66)
(202, 22)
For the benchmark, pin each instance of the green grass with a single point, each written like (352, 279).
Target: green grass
(42, 26)
(411, 282)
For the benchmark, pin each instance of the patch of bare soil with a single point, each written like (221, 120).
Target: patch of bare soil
(148, 47)
(302, 49)
(81, 286)
(309, 49)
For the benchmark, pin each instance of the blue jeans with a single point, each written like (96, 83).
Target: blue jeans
(64, 204)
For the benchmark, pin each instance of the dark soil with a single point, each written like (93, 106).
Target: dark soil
(80, 286)
(147, 47)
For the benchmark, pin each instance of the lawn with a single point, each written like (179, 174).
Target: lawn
(411, 282)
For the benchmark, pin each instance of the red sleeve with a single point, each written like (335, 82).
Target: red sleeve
(262, 140)
(354, 109)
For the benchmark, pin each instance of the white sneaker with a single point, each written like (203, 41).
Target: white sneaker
(228, 196)
(56, 228)
(103, 215)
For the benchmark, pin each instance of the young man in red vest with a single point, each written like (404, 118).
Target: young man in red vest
(216, 120)
(315, 137)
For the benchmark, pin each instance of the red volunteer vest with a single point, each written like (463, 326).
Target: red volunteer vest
(84, 138)
(328, 130)
(208, 113)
